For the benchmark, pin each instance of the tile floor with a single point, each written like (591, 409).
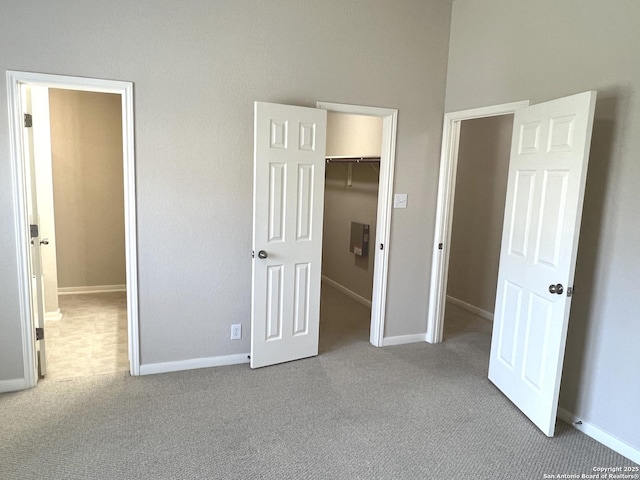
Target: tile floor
(90, 339)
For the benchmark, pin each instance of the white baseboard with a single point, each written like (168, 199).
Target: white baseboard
(346, 291)
(13, 385)
(91, 289)
(219, 361)
(53, 316)
(470, 308)
(599, 435)
(404, 339)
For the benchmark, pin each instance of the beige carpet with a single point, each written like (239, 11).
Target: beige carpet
(354, 412)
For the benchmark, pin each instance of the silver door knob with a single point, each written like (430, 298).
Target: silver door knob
(44, 241)
(559, 289)
(262, 254)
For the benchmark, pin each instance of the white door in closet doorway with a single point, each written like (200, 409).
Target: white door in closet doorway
(545, 192)
(288, 203)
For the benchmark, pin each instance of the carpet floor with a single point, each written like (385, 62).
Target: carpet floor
(353, 412)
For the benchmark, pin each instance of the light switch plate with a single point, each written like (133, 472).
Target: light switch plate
(400, 200)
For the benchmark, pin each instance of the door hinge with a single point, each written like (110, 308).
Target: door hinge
(39, 333)
(570, 291)
(28, 120)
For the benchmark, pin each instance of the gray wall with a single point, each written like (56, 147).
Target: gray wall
(86, 148)
(197, 68)
(478, 212)
(501, 51)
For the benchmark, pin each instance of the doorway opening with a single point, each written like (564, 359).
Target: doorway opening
(31, 243)
(81, 212)
(286, 274)
(545, 189)
(445, 210)
(349, 228)
(358, 189)
(476, 230)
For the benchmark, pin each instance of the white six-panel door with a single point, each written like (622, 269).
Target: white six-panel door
(545, 191)
(288, 204)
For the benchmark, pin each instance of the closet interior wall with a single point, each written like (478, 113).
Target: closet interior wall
(351, 195)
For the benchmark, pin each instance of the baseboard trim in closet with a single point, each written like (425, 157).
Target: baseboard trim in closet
(91, 289)
(358, 298)
(470, 308)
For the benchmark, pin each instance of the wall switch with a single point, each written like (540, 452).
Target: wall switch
(236, 331)
(400, 200)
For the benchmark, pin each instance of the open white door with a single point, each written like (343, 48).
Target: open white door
(545, 191)
(288, 204)
(37, 281)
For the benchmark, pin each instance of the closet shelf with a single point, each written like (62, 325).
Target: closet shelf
(374, 162)
(353, 159)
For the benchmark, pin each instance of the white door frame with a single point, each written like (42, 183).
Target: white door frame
(125, 89)
(385, 202)
(444, 212)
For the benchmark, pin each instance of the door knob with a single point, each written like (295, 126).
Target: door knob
(559, 289)
(44, 241)
(262, 254)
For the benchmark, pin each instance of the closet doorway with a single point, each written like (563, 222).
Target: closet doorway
(358, 177)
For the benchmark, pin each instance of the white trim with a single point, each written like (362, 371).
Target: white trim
(385, 202)
(13, 385)
(599, 435)
(21, 234)
(53, 316)
(91, 289)
(403, 339)
(349, 293)
(177, 366)
(130, 224)
(470, 308)
(125, 89)
(444, 211)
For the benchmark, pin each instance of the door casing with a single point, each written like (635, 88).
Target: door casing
(444, 212)
(19, 173)
(389, 118)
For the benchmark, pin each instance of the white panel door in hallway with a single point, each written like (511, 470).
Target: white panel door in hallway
(545, 191)
(288, 194)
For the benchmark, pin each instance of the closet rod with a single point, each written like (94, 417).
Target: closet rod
(353, 159)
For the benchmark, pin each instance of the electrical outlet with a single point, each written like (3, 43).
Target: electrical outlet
(236, 331)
